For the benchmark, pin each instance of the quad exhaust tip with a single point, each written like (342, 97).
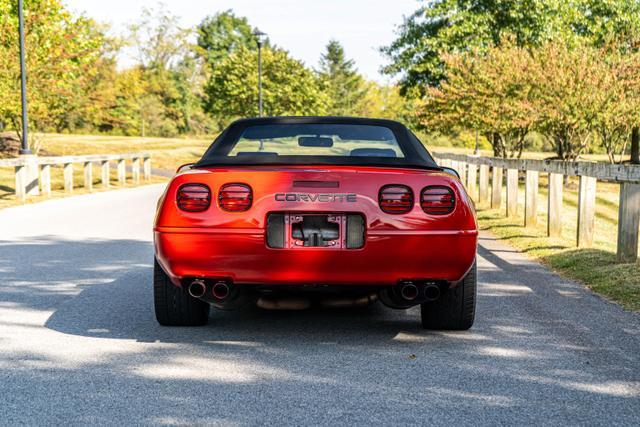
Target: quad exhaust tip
(431, 292)
(220, 290)
(197, 288)
(409, 292)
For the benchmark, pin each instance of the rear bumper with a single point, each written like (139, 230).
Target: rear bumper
(242, 256)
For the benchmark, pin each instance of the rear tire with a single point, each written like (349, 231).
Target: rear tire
(456, 310)
(173, 305)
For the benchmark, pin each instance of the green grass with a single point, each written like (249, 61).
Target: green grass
(167, 153)
(596, 266)
(535, 155)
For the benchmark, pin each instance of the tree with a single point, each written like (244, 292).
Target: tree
(488, 92)
(615, 82)
(289, 88)
(63, 54)
(567, 88)
(189, 80)
(340, 81)
(158, 38)
(172, 76)
(635, 145)
(456, 26)
(221, 34)
(570, 93)
(385, 101)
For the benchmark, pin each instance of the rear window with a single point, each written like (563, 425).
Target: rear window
(342, 140)
(317, 141)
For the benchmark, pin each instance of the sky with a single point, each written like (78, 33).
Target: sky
(302, 27)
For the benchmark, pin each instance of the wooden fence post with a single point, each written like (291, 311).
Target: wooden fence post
(496, 187)
(135, 170)
(554, 222)
(20, 182)
(122, 174)
(462, 170)
(88, 176)
(68, 177)
(483, 194)
(27, 177)
(455, 166)
(512, 192)
(472, 177)
(628, 222)
(45, 179)
(104, 173)
(531, 199)
(586, 211)
(146, 168)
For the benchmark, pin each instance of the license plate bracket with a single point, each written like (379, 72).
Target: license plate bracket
(315, 231)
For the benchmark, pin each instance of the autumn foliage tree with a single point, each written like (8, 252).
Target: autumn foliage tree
(63, 58)
(485, 92)
(573, 94)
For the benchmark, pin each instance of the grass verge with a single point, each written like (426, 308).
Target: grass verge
(596, 266)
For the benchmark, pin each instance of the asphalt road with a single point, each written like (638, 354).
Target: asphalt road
(79, 343)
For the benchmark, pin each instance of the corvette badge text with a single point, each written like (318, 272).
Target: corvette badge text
(324, 198)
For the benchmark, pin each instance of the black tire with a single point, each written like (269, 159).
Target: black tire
(174, 306)
(456, 310)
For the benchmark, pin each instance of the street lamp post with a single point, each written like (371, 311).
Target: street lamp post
(260, 38)
(23, 77)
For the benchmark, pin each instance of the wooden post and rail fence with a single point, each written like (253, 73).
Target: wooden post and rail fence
(476, 172)
(33, 173)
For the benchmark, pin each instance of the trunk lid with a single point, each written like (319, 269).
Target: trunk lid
(316, 189)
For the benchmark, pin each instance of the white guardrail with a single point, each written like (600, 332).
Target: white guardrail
(475, 173)
(33, 173)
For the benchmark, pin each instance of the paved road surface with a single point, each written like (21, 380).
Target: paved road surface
(79, 343)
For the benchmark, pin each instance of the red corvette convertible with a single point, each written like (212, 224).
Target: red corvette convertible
(335, 211)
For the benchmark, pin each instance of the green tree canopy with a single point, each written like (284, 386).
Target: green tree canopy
(221, 34)
(489, 92)
(340, 81)
(172, 76)
(289, 88)
(62, 59)
(567, 93)
(454, 26)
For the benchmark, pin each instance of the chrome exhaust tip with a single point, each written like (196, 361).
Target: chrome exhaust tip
(220, 290)
(197, 288)
(431, 292)
(409, 292)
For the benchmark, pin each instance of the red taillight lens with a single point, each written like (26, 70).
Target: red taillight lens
(437, 200)
(194, 197)
(395, 199)
(235, 197)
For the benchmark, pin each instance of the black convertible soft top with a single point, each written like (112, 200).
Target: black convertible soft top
(415, 154)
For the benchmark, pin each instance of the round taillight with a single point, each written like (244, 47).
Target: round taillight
(235, 197)
(437, 200)
(194, 197)
(395, 199)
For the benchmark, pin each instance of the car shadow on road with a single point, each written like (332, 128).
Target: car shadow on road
(124, 309)
(103, 288)
(363, 364)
